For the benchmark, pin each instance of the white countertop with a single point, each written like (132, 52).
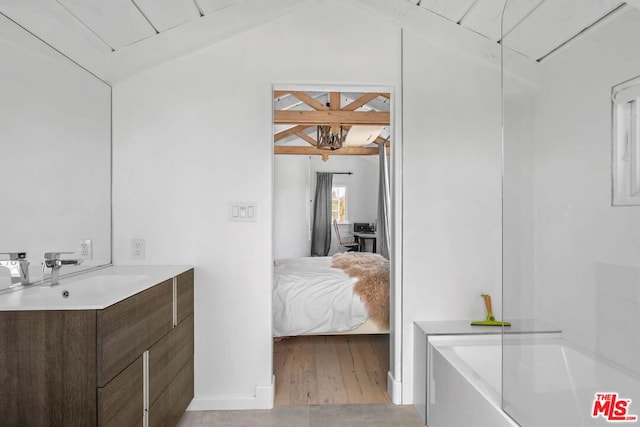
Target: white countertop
(93, 290)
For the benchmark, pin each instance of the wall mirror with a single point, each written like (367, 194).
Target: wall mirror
(55, 161)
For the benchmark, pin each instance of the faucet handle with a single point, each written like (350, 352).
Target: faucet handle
(51, 256)
(15, 256)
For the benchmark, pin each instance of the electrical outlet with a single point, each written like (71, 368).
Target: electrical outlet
(137, 249)
(86, 249)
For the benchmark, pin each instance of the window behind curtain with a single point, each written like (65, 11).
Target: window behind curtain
(339, 203)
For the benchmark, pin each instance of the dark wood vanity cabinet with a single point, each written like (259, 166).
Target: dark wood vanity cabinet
(88, 367)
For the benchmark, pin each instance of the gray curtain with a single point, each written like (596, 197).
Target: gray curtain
(321, 227)
(384, 204)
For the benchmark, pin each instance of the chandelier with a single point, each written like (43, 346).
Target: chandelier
(328, 139)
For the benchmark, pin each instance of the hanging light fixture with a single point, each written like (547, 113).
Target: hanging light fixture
(328, 138)
(361, 135)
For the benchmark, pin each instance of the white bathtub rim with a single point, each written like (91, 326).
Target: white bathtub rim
(444, 344)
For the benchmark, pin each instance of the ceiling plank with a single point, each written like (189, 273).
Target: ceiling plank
(312, 151)
(367, 97)
(453, 10)
(553, 23)
(166, 14)
(311, 118)
(307, 138)
(291, 131)
(486, 16)
(208, 6)
(99, 16)
(310, 101)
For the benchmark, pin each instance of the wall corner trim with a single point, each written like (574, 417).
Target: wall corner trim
(263, 399)
(394, 389)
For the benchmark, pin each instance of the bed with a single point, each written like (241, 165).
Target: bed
(344, 294)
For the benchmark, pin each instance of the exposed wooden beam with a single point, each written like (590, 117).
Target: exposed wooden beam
(385, 95)
(310, 101)
(307, 138)
(311, 118)
(334, 101)
(312, 151)
(335, 104)
(361, 101)
(280, 93)
(291, 131)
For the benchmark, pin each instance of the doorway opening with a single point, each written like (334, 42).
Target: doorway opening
(344, 132)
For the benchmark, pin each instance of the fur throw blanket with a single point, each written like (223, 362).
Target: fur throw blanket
(372, 272)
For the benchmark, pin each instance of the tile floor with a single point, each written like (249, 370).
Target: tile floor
(369, 415)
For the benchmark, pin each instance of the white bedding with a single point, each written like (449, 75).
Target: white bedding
(310, 297)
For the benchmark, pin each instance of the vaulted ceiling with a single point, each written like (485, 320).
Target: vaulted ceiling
(116, 38)
(113, 38)
(534, 28)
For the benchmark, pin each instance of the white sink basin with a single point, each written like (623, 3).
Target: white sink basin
(93, 290)
(94, 286)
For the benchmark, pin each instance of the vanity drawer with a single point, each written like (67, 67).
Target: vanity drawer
(168, 356)
(120, 402)
(185, 295)
(126, 329)
(172, 403)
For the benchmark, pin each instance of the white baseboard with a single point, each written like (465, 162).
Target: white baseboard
(394, 389)
(263, 399)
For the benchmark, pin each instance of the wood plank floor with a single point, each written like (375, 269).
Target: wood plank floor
(330, 370)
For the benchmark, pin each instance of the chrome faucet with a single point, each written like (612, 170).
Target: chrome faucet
(52, 260)
(18, 266)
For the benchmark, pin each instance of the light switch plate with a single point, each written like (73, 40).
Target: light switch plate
(243, 211)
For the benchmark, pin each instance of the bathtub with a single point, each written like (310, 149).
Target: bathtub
(548, 382)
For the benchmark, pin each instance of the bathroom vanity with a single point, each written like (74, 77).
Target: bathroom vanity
(113, 347)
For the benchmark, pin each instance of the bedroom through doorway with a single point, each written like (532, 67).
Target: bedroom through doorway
(332, 247)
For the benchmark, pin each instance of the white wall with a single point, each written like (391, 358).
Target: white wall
(294, 192)
(54, 154)
(518, 237)
(291, 210)
(587, 252)
(452, 231)
(195, 133)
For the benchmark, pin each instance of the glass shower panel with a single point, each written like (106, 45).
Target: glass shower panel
(571, 257)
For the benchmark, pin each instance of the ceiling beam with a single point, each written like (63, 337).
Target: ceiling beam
(367, 97)
(291, 131)
(311, 118)
(311, 151)
(307, 138)
(280, 93)
(310, 101)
